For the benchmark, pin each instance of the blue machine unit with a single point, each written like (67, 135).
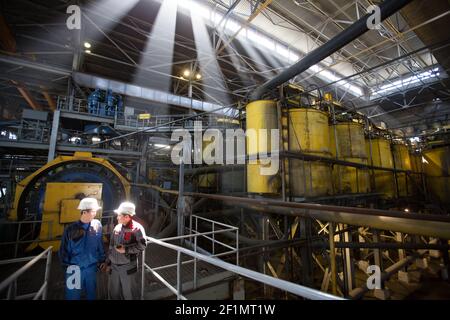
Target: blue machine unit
(105, 104)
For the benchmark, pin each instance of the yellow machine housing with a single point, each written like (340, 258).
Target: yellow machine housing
(382, 157)
(60, 208)
(349, 137)
(261, 114)
(60, 201)
(309, 133)
(437, 170)
(402, 161)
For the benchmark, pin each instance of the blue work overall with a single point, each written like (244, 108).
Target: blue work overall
(81, 251)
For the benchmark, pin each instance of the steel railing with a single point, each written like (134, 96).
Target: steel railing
(213, 258)
(10, 283)
(195, 234)
(284, 285)
(30, 237)
(135, 121)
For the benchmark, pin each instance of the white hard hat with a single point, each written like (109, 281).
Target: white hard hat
(89, 204)
(126, 208)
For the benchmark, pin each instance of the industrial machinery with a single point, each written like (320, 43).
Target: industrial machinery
(51, 194)
(105, 104)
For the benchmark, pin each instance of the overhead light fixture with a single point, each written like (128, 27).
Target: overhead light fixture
(406, 210)
(198, 76)
(186, 73)
(87, 51)
(87, 45)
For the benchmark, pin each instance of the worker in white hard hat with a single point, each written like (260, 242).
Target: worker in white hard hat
(82, 253)
(127, 241)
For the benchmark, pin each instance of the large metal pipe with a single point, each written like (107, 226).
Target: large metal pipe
(413, 223)
(387, 8)
(313, 206)
(406, 225)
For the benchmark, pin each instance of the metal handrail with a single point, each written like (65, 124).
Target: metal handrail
(296, 289)
(193, 233)
(19, 240)
(11, 281)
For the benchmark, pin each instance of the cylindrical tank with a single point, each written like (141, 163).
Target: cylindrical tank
(349, 138)
(437, 170)
(309, 133)
(402, 161)
(381, 156)
(417, 168)
(261, 114)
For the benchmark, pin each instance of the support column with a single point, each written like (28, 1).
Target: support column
(332, 258)
(348, 259)
(54, 135)
(402, 274)
(180, 205)
(377, 253)
(305, 252)
(383, 293)
(143, 161)
(263, 229)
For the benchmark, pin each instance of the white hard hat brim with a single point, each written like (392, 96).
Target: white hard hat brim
(93, 208)
(124, 212)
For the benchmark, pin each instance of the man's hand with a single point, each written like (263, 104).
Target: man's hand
(103, 267)
(120, 249)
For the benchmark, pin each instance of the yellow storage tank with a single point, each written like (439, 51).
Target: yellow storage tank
(261, 114)
(416, 162)
(402, 161)
(309, 133)
(382, 157)
(349, 138)
(437, 170)
(417, 168)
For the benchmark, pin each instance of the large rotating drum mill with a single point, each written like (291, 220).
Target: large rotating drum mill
(51, 195)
